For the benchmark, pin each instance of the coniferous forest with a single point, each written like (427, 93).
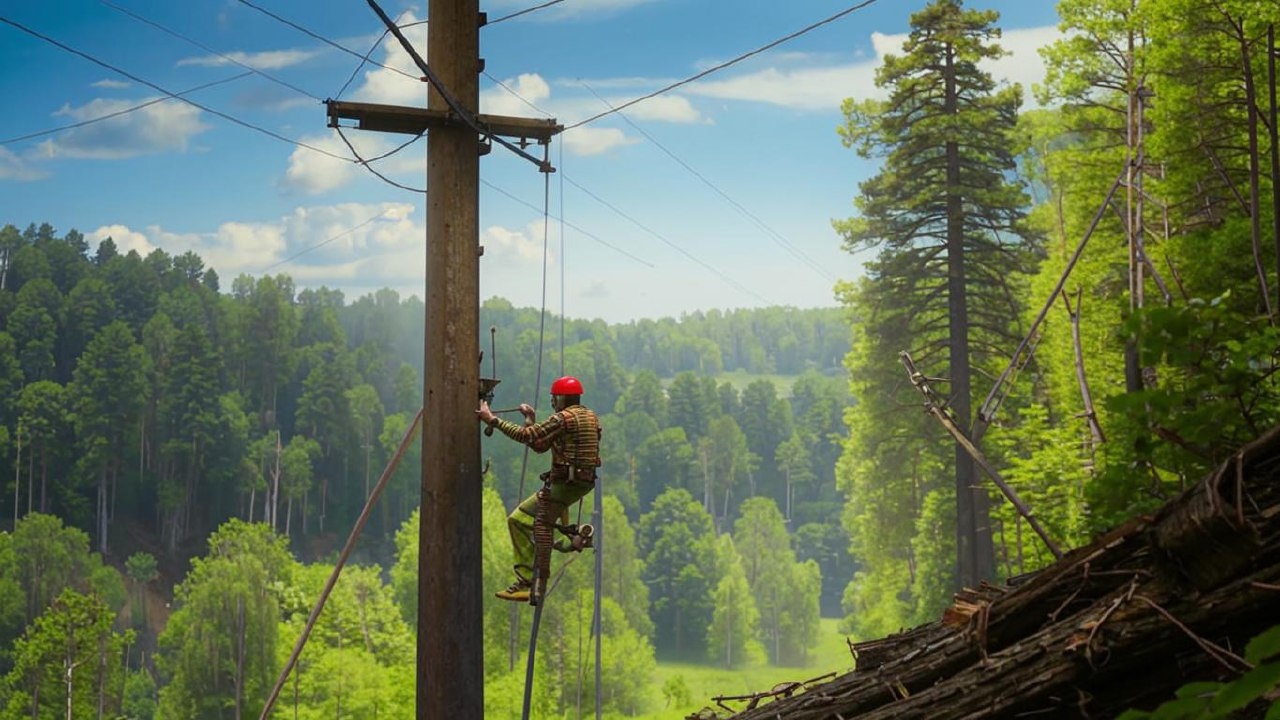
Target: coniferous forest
(1093, 280)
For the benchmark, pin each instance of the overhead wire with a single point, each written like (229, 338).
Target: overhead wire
(125, 111)
(322, 243)
(206, 48)
(326, 40)
(283, 83)
(526, 11)
(565, 178)
(705, 265)
(774, 234)
(463, 113)
(723, 65)
(561, 220)
(365, 163)
(148, 83)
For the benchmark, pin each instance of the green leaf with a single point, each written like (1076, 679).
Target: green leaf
(1199, 690)
(1134, 715)
(1263, 647)
(1251, 686)
(1181, 709)
(1274, 712)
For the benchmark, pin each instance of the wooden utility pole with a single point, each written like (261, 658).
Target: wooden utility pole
(450, 681)
(450, 623)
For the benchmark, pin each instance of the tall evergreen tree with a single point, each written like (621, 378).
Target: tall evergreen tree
(944, 216)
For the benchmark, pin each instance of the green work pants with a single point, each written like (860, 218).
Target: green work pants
(520, 522)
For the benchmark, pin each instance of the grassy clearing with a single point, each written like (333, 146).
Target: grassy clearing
(705, 682)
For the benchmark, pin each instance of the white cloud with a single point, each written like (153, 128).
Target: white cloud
(381, 85)
(663, 108)
(13, 167)
(313, 173)
(523, 247)
(818, 88)
(110, 84)
(798, 81)
(1023, 63)
(373, 244)
(156, 128)
(499, 100)
(268, 60)
(124, 239)
(587, 140)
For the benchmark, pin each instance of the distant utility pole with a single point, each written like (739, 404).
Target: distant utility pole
(450, 625)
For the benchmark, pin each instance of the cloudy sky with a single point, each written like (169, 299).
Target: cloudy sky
(719, 194)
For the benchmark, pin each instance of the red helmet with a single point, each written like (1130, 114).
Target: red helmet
(567, 385)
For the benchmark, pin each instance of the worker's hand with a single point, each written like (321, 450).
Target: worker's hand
(484, 414)
(527, 411)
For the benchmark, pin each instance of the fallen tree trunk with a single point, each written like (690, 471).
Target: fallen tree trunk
(1119, 623)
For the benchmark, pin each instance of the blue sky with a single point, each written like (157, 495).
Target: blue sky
(719, 194)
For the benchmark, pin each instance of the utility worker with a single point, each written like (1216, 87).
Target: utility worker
(572, 433)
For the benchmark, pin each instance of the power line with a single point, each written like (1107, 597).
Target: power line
(463, 113)
(565, 178)
(515, 94)
(723, 65)
(365, 58)
(367, 166)
(776, 236)
(730, 281)
(156, 87)
(522, 12)
(321, 244)
(326, 40)
(206, 48)
(566, 223)
(118, 113)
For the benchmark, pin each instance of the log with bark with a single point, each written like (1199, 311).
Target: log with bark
(1120, 623)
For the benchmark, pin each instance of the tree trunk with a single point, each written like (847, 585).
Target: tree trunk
(1255, 170)
(975, 554)
(1275, 149)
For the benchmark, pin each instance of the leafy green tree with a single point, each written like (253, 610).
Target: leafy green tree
(68, 663)
(623, 579)
(34, 325)
(945, 218)
(296, 474)
(366, 416)
(51, 558)
(13, 602)
(663, 461)
(687, 407)
(324, 412)
(43, 415)
(786, 597)
(730, 460)
(106, 394)
(766, 422)
(10, 378)
(732, 638)
(827, 545)
(218, 650)
(644, 394)
(792, 459)
(677, 541)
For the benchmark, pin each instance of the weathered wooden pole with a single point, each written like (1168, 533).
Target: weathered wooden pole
(450, 624)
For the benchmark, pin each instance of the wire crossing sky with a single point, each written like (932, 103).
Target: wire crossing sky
(196, 126)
